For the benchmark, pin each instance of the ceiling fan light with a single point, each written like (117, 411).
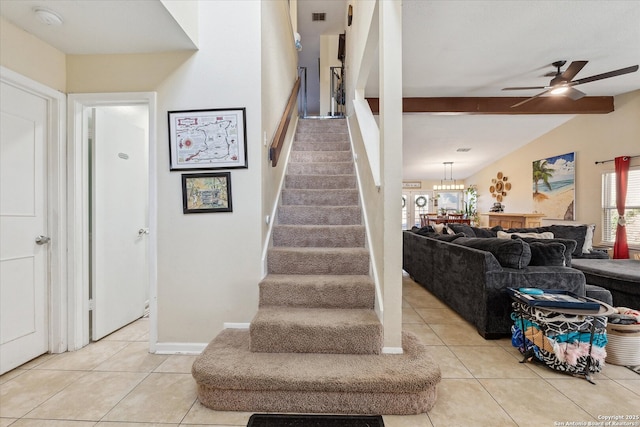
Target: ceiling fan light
(559, 90)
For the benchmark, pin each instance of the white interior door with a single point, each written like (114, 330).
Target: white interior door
(23, 217)
(119, 219)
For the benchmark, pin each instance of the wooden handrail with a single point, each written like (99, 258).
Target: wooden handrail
(281, 132)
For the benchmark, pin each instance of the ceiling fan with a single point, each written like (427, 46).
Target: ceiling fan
(562, 83)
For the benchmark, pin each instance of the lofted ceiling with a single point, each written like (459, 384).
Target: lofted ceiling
(462, 48)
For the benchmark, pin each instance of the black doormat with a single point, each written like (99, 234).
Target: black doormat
(282, 420)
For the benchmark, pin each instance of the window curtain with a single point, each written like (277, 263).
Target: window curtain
(620, 247)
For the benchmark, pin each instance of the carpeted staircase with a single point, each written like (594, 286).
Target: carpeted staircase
(314, 345)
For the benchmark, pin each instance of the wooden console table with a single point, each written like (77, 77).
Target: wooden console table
(515, 220)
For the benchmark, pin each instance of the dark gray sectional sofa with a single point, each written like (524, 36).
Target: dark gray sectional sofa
(470, 275)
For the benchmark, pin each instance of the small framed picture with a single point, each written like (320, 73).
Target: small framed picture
(206, 192)
(207, 139)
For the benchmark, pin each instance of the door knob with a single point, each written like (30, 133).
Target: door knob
(143, 231)
(42, 240)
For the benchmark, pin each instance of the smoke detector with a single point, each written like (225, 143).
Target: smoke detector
(47, 16)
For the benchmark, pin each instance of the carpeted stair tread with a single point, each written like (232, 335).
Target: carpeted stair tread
(231, 377)
(322, 125)
(324, 197)
(320, 146)
(321, 168)
(326, 182)
(322, 137)
(315, 291)
(320, 156)
(339, 261)
(278, 329)
(317, 215)
(329, 236)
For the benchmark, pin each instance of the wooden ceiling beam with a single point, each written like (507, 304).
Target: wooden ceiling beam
(502, 105)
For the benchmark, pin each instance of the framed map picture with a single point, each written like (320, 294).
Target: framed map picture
(206, 192)
(207, 139)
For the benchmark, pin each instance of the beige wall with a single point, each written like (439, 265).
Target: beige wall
(592, 138)
(31, 57)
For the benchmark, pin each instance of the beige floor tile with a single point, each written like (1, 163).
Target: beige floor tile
(492, 362)
(460, 334)
(5, 422)
(52, 423)
(423, 332)
(409, 315)
(466, 403)
(177, 363)
(21, 394)
(421, 299)
(607, 397)
(527, 401)
(439, 316)
(405, 303)
(633, 385)
(11, 375)
(38, 361)
(421, 420)
(86, 358)
(135, 357)
(545, 372)
(159, 398)
(88, 398)
(132, 332)
(450, 365)
(199, 414)
(125, 424)
(616, 372)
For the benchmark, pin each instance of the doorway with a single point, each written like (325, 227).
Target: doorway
(112, 185)
(415, 203)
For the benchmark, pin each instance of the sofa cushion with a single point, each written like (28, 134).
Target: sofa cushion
(543, 235)
(570, 246)
(549, 254)
(423, 231)
(462, 228)
(509, 253)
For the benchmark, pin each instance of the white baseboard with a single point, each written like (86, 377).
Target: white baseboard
(236, 325)
(392, 350)
(180, 347)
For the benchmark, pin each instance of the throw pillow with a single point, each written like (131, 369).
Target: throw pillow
(424, 230)
(543, 235)
(572, 232)
(485, 232)
(548, 254)
(462, 228)
(588, 239)
(509, 253)
(440, 228)
(570, 246)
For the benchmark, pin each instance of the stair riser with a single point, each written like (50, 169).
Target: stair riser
(330, 182)
(292, 262)
(324, 126)
(336, 295)
(320, 197)
(313, 215)
(320, 156)
(321, 146)
(341, 339)
(319, 237)
(345, 168)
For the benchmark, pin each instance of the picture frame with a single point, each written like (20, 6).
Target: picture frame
(207, 139)
(206, 192)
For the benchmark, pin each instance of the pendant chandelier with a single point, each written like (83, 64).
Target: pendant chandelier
(448, 183)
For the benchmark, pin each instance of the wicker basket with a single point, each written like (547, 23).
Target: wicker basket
(623, 346)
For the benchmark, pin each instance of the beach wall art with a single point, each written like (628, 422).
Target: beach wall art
(554, 185)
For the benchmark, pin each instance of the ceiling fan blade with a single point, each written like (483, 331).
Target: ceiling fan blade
(574, 94)
(529, 99)
(525, 88)
(573, 70)
(614, 73)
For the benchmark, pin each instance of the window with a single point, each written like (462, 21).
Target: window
(632, 211)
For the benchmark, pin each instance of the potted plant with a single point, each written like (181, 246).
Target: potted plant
(471, 204)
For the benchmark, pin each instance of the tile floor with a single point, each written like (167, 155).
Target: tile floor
(117, 383)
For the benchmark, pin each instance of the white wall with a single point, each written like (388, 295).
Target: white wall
(593, 137)
(328, 58)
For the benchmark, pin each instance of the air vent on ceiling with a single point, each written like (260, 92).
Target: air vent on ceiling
(318, 16)
(463, 150)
